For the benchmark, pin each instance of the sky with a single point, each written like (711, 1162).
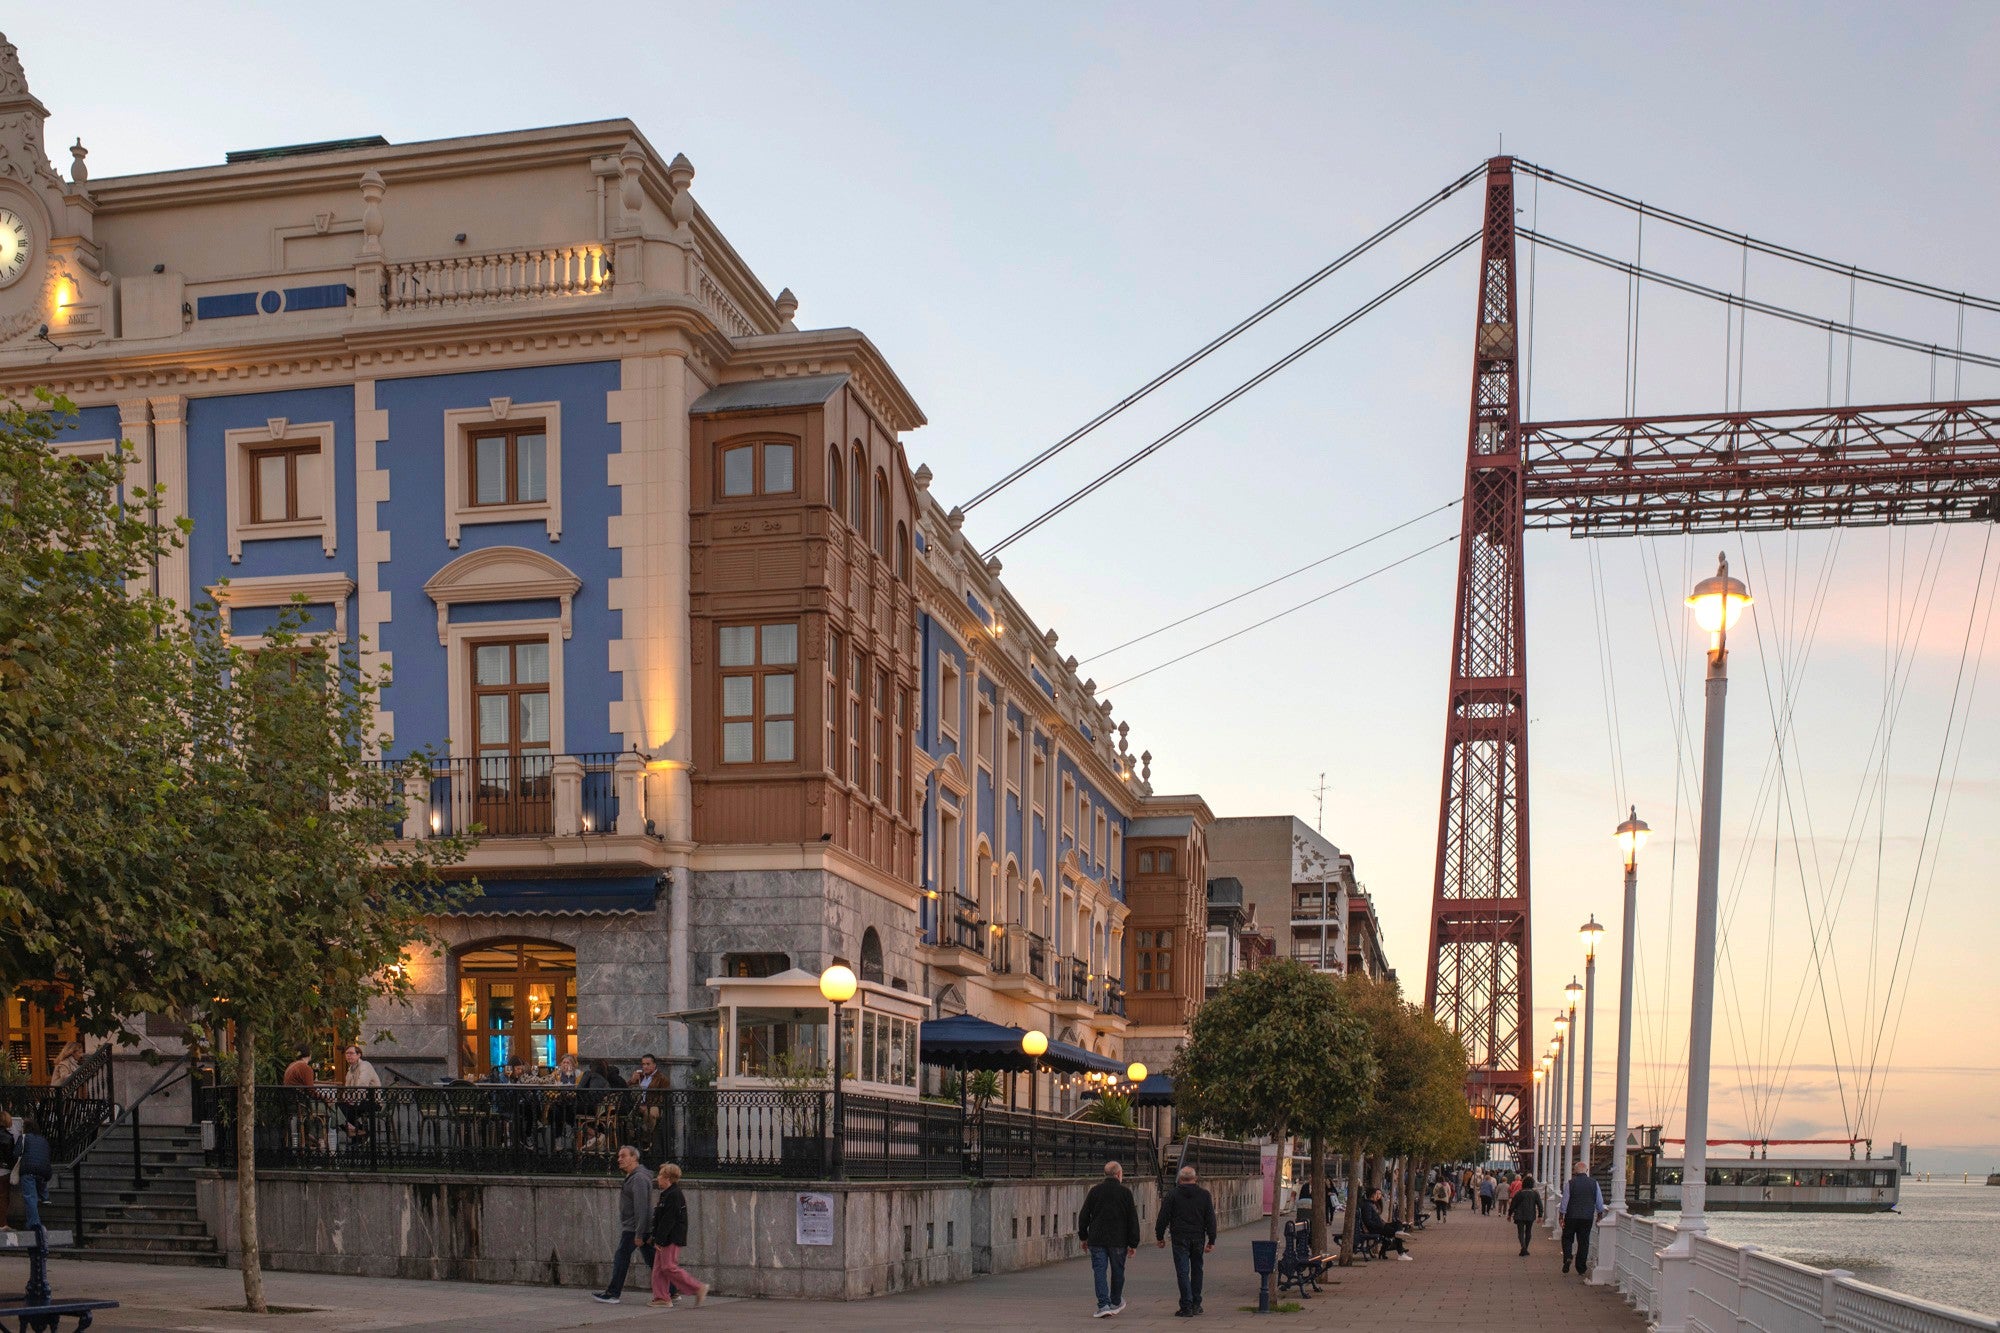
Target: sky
(1032, 209)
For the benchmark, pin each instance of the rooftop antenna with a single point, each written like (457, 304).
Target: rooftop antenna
(1319, 794)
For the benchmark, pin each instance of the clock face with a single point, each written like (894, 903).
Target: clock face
(17, 244)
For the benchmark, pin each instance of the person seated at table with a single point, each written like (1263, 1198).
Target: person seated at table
(1372, 1221)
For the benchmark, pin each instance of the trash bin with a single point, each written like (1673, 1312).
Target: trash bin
(1264, 1257)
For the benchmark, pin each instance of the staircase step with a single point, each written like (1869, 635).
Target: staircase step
(148, 1226)
(184, 1258)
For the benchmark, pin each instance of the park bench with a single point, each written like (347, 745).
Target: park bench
(1298, 1267)
(36, 1310)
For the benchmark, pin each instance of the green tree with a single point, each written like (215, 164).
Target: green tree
(1274, 1051)
(311, 898)
(89, 756)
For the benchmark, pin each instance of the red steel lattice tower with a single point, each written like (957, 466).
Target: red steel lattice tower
(1478, 976)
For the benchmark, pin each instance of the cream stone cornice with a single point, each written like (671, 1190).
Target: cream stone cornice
(1193, 806)
(281, 590)
(502, 574)
(818, 351)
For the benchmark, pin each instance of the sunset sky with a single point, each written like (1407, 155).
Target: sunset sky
(1033, 208)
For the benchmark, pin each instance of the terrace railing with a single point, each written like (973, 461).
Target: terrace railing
(1111, 998)
(968, 931)
(504, 275)
(513, 796)
(1220, 1157)
(1038, 957)
(525, 1129)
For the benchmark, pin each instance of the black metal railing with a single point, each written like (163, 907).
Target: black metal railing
(91, 1079)
(1038, 958)
(968, 931)
(1111, 998)
(1013, 1146)
(1074, 982)
(71, 1123)
(479, 1129)
(599, 797)
(1000, 953)
(1221, 1158)
(512, 795)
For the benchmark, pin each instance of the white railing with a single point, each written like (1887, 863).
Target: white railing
(505, 275)
(1722, 1288)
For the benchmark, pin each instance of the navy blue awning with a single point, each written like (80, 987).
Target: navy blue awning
(1157, 1090)
(1076, 1060)
(569, 895)
(964, 1042)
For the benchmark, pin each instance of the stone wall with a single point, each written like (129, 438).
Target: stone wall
(811, 916)
(562, 1231)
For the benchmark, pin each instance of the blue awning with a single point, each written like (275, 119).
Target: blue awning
(1157, 1090)
(965, 1042)
(568, 895)
(1077, 1060)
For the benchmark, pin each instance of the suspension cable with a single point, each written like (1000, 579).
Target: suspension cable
(1909, 285)
(1273, 582)
(1224, 339)
(1832, 326)
(1133, 460)
(1280, 615)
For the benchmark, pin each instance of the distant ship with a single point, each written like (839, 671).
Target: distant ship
(1993, 1179)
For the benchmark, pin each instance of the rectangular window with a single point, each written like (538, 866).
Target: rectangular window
(1146, 863)
(756, 469)
(902, 761)
(1013, 760)
(857, 729)
(284, 482)
(982, 737)
(508, 465)
(1099, 843)
(881, 735)
(1156, 959)
(1166, 863)
(948, 697)
(758, 692)
(1038, 777)
(1068, 806)
(511, 730)
(835, 655)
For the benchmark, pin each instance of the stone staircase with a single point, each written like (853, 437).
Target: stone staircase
(157, 1222)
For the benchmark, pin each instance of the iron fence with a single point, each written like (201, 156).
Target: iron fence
(1038, 957)
(1221, 1157)
(504, 1129)
(69, 1121)
(513, 795)
(1111, 998)
(967, 930)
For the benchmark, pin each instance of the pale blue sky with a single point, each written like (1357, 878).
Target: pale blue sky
(1033, 208)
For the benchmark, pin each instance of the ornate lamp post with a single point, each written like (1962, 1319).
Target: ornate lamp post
(1572, 993)
(1559, 1048)
(837, 985)
(1589, 933)
(1034, 1045)
(1717, 603)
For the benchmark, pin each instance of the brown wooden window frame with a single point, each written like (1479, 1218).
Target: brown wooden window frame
(1155, 959)
(879, 711)
(857, 490)
(760, 672)
(291, 451)
(857, 734)
(760, 469)
(512, 432)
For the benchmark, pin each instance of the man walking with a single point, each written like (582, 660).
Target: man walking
(1582, 1205)
(1187, 1214)
(1109, 1225)
(635, 1219)
(1525, 1209)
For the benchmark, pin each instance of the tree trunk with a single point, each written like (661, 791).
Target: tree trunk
(1318, 1218)
(246, 1167)
(1277, 1215)
(1353, 1207)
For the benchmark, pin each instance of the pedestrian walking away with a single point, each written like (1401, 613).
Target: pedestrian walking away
(635, 1220)
(1526, 1209)
(1487, 1190)
(1187, 1218)
(670, 1236)
(36, 1163)
(1109, 1225)
(1441, 1198)
(1582, 1205)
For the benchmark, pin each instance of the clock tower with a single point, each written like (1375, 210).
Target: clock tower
(51, 271)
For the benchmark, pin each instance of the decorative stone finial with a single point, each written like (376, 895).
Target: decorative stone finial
(1124, 730)
(955, 519)
(630, 192)
(923, 476)
(373, 187)
(1069, 663)
(788, 308)
(993, 565)
(1050, 638)
(13, 82)
(1146, 766)
(79, 174)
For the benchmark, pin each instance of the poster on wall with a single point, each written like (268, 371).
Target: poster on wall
(815, 1225)
(1270, 1178)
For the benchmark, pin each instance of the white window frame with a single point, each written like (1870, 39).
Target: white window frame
(1010, 751)
(951, 701)
(458, 424)
(236, 447)
(458, 676)
(280, 590)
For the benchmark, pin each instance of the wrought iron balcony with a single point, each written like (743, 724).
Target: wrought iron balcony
(1038, 958)
(967, 929)
(1111, 997)
(524, 795)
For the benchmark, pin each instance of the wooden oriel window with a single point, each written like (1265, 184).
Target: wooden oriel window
(902, 760)
(759, 692)
(836, 655)
(756, 469)
(284, 482)
(881, 721)
(507, 465)
(1156, 959)
(857, 726)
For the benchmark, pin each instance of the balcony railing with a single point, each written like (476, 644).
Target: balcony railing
(1073, 981)
(505, 275)
(1111, 998)
(1000, 953)
(968, 931)
(1038, 958)
(520, 796)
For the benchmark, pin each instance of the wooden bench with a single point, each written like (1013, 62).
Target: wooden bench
(37, 1311)
(1298, 1267)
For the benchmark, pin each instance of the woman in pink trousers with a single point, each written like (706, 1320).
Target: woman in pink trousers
(670, 1233)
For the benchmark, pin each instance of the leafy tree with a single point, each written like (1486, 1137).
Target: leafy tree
(312, 900)
(1274, 1051)
(89, 758)
(1111, 1108)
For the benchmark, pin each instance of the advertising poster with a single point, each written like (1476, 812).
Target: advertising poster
(815, 1219)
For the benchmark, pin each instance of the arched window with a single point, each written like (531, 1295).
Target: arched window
(902, 551)
(836, 494)
(871, 955)
(516, 1005)
(881, 528)
(860, 476)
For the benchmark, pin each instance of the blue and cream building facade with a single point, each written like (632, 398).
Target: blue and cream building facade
(723, 689)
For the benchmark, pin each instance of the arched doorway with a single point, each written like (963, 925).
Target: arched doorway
(871, 955)
(516, 1005)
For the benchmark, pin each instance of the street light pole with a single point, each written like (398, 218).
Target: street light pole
(1716, 602)
(1559, 1113)
(1591, 930)
(837, 986)
(1631, 837)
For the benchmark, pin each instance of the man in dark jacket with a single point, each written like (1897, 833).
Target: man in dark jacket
(1526, 1210)
(1582, 1206)
(1109, 1225)
(1188, 1215)
(37, 1164)
(635, 1221)
(1372, 1221)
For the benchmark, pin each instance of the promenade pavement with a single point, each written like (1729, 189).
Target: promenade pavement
(1466, 1274)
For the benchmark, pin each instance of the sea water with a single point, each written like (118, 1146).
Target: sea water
(1943, 1242)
